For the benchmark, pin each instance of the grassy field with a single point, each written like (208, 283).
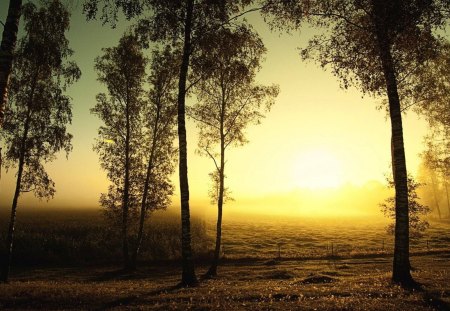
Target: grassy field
(351, 284)
(71, 260)
(308, 237)
(55, 237)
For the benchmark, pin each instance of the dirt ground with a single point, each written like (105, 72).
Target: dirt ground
(350, 284)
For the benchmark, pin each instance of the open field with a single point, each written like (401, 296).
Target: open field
(352, 284)
(70, 260)
(311, 238)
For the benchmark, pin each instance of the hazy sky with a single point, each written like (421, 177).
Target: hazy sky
(316, 136)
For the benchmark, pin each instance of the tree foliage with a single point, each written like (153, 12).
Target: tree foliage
(135, 142)
(39, 111)
(348, 44)
(417, 211)
(375, 45)
(228, 101)
(7, 47)
(184, 25)
(35, 124)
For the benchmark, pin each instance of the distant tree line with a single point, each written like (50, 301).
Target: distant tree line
(387, 49)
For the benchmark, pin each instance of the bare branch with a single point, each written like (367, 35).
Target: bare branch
(212, 157)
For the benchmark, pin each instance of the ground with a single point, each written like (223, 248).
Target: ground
(283, 284)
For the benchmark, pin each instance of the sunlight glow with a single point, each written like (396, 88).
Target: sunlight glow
(318, 169)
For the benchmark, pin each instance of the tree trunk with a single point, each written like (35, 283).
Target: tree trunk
(448, 198)
(7, 47)
(213, 269)
(188, 277)
(10, 237)
(126, 191)
(401, 265)
(145, 192)
(436, 199)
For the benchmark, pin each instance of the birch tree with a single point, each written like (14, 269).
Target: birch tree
(7, 46)
(34, 129)
(182, 24)
(229, 100)
(373, 45)
(135, 142)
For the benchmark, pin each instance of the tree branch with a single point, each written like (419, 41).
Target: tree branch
(213, 158)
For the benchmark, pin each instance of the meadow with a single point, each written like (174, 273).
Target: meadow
(68, 237)
(264, 237)
(71, 260)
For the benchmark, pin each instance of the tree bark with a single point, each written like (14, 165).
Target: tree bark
(12, 221)
(188, 277)
(7, 47)
(401, 266)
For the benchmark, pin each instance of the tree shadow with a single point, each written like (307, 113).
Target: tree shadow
(430, 298)
(129, 275)
(433, 300)
(122, 301)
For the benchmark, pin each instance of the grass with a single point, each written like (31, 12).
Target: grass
(72, 261)
(85, 237)
(351, 284)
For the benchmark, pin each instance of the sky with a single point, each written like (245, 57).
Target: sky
(320, 149)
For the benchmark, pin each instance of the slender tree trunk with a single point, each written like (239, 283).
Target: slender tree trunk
(215, 262)
(436, 200)
(188, 277)
(12, 221)
(448, 198)
(401, 265)
(146, 189)
(126, 191)
(7, 47)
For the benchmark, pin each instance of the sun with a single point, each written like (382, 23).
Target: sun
(318, 169)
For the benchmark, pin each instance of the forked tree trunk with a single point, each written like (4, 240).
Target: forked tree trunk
(401, 266)
(12, 221)
(7, 47)
(188, 277)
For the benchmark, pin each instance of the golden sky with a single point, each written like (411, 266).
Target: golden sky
(320, 149)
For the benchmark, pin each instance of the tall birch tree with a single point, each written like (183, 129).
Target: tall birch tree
(229, 100)
(182, 24)
(35, 125)
(374, 45)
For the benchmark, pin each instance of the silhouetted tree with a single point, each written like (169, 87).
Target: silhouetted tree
(135, 143)
(122, 70)
(228, 101)
(182, 24)
(35, 123)
(437, 159)
(430, 98)
(416, 210)
(159, 118)
(373, 44)
(8, 44)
